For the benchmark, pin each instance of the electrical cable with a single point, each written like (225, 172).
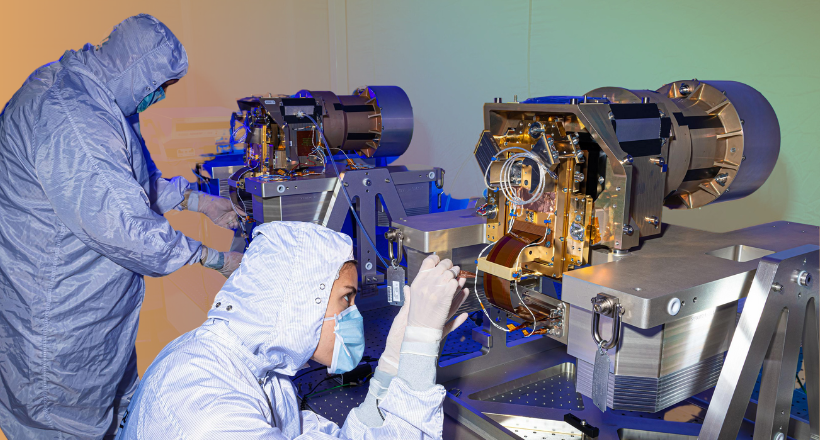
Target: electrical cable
(308, 372)
(517, 260)
(303, 403)
(328, 389)
(302, 114)
(505, 175)
(800, 382)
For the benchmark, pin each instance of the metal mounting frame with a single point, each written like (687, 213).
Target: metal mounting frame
(781, 311)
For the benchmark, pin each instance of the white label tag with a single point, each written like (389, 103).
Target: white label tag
(395, 285)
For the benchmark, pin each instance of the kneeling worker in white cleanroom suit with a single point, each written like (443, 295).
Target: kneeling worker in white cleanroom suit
(293, 299)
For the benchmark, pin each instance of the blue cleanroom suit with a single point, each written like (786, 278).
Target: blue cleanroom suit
(80, 224)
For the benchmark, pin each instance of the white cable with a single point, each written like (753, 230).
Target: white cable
(520, 299)
(505, 175)
(475, 289)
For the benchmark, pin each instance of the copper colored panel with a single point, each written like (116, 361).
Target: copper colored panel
(497, 291)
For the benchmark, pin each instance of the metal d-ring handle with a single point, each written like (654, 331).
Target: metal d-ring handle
(606, 305)
(394, 235)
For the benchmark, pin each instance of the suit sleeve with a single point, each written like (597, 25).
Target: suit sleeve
(86, 171)
(165, 194)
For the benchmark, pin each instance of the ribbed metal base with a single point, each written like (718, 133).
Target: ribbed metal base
(652, 394)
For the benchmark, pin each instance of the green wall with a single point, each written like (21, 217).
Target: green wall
(452, 57)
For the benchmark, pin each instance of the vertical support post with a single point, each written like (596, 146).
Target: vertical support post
(775, 315)
(363, 187)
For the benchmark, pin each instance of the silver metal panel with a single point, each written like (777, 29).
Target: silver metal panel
(414, 196)
(700, 281)
(553, 387)
(692, 339)
(264, 187)
(443, 231)
(270, 187)
(537, 429)
(779, 314)
(658, 351)
(224, 172)
(414, 174)
(651, 395)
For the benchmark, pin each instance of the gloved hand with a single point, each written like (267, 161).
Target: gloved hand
(436, 295)
(223, 262)
(232, 261)
(219, 209)
(389, 360)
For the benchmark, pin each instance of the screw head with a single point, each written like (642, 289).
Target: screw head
(777, 287)
(673, 307)
(804, 278)
(431, 175)
(601, 180)
(368, 265)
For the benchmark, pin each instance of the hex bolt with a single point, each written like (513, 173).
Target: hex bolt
(628, 229)
(777, 287)
(653, 220)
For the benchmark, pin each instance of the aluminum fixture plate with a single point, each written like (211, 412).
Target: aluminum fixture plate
(267, 187)
(677, 264)
(225, 171)
(443, 231)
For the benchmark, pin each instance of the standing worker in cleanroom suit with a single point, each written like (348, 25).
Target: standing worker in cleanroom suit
(293, 299)
(81, 224)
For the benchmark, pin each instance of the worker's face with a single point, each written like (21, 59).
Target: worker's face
(342, 296)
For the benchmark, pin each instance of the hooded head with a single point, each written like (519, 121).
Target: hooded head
(136, 59)
(276, 301)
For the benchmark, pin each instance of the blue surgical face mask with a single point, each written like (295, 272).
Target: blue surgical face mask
(152, 98)
(349, 346)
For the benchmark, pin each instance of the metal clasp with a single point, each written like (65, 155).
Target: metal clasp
(394, 235)
(608, 306)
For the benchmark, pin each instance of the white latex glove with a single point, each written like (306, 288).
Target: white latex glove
(436, 295)
(223, 262)
(219, 209)
(389, 360)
